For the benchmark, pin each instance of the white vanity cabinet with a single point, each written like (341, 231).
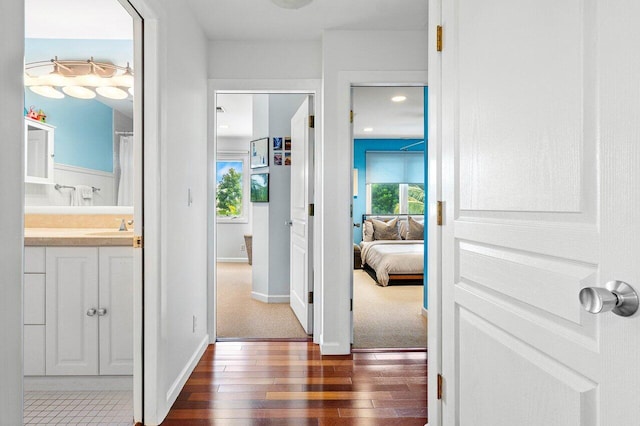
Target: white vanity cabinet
(39, 145)
(87, 323)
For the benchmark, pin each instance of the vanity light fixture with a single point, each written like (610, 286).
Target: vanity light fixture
(399, 98)
(291, 4)
(79, 79)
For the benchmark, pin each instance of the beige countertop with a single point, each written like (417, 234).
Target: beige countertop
(77, 237)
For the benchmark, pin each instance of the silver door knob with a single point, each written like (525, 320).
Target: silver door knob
(91, 312)
(102, 312)
(616, 296)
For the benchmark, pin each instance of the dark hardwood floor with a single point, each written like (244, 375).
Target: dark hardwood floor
(290, 383)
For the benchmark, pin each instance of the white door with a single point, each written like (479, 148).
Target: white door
(71, 311)
(301, 275)
(541, 184)
(116, 310)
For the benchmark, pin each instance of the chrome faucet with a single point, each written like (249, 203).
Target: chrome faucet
(123, 225)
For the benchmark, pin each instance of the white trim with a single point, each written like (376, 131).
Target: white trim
(261, 297)
(78, 383)
(233, 259)
(306, 86)
(434, 233)
(84, 170)
(176, 387)
(346, 80)
(425, 312)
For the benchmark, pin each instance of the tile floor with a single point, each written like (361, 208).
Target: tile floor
(113, 408)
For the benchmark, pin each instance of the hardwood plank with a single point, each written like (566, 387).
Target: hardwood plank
(291, 383)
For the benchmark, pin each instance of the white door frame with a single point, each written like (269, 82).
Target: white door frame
(255, 86)
(434, 325)
(347, 80)
(147, 118)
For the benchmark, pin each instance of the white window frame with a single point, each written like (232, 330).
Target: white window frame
(246, 205)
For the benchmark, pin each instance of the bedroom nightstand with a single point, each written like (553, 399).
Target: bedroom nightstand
(357, 260)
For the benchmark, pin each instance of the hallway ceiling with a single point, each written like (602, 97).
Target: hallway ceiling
(262, 20)
(372, 107)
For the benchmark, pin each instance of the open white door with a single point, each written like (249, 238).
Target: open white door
(541, 185)
(301, 276)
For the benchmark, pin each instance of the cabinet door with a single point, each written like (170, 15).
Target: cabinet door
(39, 142)
(116, 299)
(71, 330)
(34, 354)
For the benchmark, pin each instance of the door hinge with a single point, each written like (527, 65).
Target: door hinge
(312, 209)
(351, 116)
(312, 121)
(439, 386)
(439, 217)
(137, 241)
(439, 38)
(310, 298)
(351, 305)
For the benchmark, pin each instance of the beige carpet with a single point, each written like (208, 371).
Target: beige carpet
(387, 317)
(240, 316)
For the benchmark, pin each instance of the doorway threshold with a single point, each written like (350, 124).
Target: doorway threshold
(263, 339)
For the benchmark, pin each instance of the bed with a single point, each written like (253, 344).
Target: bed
(386, 255)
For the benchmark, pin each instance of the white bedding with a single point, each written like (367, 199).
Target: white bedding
(393, 257)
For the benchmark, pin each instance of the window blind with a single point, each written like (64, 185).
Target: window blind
(395, 167)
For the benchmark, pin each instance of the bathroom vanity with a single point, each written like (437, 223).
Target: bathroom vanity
(78, 302)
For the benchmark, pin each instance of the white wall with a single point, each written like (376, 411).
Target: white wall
(349, 52)
(175, 232)
(46, 195)
(11, 210)
(264, 59)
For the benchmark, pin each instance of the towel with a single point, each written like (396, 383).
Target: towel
(82, 195)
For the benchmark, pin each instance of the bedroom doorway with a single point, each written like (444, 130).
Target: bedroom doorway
(389, 162)
(252, 236)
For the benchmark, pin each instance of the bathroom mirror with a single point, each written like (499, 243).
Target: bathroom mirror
(92, 155)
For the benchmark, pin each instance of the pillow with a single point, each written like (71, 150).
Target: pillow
(404, 228)
(385, 230)
(367, 230)
(416, 230)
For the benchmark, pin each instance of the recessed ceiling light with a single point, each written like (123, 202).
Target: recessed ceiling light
(400, 98)
(223, 126)
(368, 129)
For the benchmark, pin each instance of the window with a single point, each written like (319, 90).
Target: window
(231, 189)
(395, 182)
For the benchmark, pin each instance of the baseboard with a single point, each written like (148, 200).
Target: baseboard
(178, 384)
(232, 260)
(334, 349)
(261, 297)
(78, 383)
(425, 312)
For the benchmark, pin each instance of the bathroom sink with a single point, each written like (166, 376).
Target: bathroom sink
(112, 234)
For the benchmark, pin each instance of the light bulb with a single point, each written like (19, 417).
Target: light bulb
(79, 92)
(124, 80)
(55, 78)
(47, 91)
(111, 92)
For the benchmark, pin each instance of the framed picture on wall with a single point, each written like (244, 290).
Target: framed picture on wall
(259, 153)
(260, 188)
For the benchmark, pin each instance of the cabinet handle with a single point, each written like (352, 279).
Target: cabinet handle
(91, 312)
(102, 312)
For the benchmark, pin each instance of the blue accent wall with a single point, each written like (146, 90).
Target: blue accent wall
(84, 130)
(360, 147)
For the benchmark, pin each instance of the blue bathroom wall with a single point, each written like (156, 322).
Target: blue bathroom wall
(118, 52)
(84, 130)
(360, 147)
